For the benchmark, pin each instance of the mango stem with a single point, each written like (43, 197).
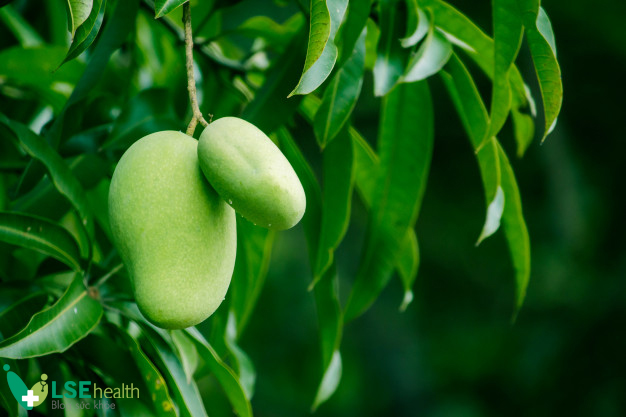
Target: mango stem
(191, 81)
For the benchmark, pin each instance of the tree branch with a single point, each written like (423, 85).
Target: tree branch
(191, 81)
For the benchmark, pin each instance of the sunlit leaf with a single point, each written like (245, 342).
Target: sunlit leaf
(186, 352)
(326, 16)
(391, 57)
(86, 33)
(242, 364)
(405, 147)
(163, 7)
(540, 39)
(507, 28)
(78, 12)
(430, 57)
(340, 96)
(58, 327)
(41, 235)
(417, 25)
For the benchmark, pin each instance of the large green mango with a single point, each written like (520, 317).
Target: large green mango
(176, 236)
(249, 171)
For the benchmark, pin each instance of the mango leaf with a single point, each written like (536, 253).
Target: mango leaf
(149, 111)
(270, 108)
(507, 29)
(326, 16)
(254, 249)
(405, 147)
(33, 68)
(524, 130)
(417, 25)
(242, 364)
(157, 387)
(41, 235)
(338, 177)
(329, 313)
(16, 316)
(540, 39)
(86, 33)
(21, 29)
(62, 178)
(431, 56)
(355, 20)
(224, 374)
(187, 353)
(163, 7)
(185, 392)
(366, 171)
(391, 57)
(501, 191)
(78, 12)
(340, 96)
(473, 114)
(58, 327)
(118, 26)
(515, 230)
(462, 32)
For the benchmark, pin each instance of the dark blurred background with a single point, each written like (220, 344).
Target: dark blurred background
(454, 351)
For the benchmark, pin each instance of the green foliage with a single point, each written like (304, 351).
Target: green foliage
(300, 72)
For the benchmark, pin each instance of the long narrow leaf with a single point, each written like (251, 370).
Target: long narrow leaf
(326, 16)
(87, 32)
(431, 56)
(58, 327)
(405, 146)
(543, 50)
(78, 12)
(391, 57)
(41, 235)
(341, 95)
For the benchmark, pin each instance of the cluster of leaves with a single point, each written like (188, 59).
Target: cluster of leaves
(64, 289)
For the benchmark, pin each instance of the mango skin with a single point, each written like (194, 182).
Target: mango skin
(251, 173)
(175, 234)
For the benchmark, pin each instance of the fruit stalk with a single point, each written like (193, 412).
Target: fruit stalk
(191, 81)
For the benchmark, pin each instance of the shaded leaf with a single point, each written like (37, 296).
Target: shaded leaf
(329, 313)
(86, 33)
(226, 377)
(540, 39)
(149, 111)
(340, 96)
(242, 364)
(41, 235)
(157, 387)
(163, 7)
(326, 16)
(431, 56)
(330, 381)
(118, 26)
(270, 107)
(58, 327)
(355, 20)
(16, 316)
(254, 249)
(62, 178)
(391, 57)
(25, 34)
(405, 147)
(185, 392)
(338, 177)
(186, 352)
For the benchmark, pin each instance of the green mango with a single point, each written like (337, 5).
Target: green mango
(175, 234)
(251, 174)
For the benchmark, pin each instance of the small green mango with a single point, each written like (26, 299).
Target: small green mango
(250, 173)
(175, 234)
